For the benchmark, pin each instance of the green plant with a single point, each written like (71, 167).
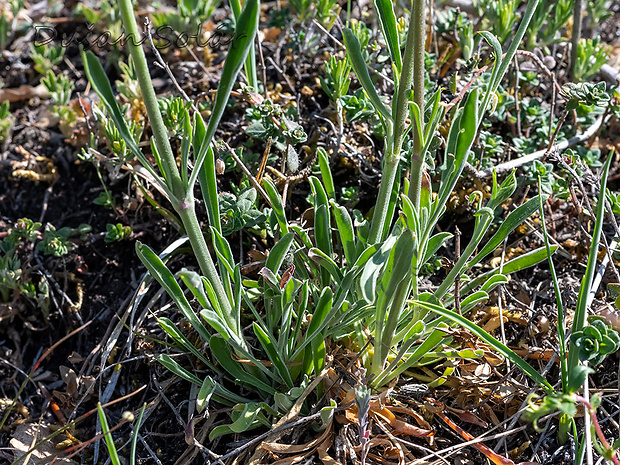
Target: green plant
(46, 57)
(56, 242)
(336, 84)
(8, 20)
(117, 232)
(268, 119)
(239, 212)
(588, 342)
(220, 295)
(127, 417)
(591, 55)
(502, 15)
(327, 12)
(548, 22)
(597, 12)
(173, 113)
(60, 88)
(317, 287)
(105, 17)
(595, 341)
(6, 122)
(15, 273)
(396, 320)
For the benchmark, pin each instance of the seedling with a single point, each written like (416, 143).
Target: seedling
(57, 243)
(46, 57)
(117, 232)
(591, 56)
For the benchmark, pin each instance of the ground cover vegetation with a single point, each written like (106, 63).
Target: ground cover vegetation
(309, 231)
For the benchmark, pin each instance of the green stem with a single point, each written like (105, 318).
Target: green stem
(160, 134)
(201, 251)
(390, 169)
(183, 199)
(558, 296)
(412, 67)
(417, 163)
(576, 35)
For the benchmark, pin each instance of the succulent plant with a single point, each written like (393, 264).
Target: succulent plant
(596, 341)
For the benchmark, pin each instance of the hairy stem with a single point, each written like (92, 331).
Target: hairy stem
(160, 134)
(412, 68)
(417, 163)
(183, 201)
(390, 169)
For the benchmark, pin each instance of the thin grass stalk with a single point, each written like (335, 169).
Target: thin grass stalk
(183, 200)
(581, 310)
(558, 297)
(576, 36)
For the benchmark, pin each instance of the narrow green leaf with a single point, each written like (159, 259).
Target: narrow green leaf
(486, 337)
(276, 204)
(322, 218)
(186, 143)
(269, 347)
(516, 264)
(434, 244)
(162, 274)
(323, 307)
(194, 283)
(473, 300)
(170, 328)
(493, 282)
(514, 219)
(101, 85)
(387, 19)
(177, 369)
(207, 177)
(109, 440)
(278, 252)
(326, 173)
(217, 323)
(354, 50)
(204, 395)
(581, 311)
(326, 262)
(246, 421)
(222, 353)
(223, 251)
(134, 436)
(346, 232)
(245, 31)
(505, 190)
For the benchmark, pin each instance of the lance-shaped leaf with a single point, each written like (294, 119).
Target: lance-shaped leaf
(515, 219)
(101, 85)
(385, 12)
(245, 31)
(354, 51)
(164, 276)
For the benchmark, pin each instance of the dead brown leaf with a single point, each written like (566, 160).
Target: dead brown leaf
(24, 92)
